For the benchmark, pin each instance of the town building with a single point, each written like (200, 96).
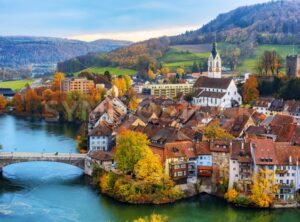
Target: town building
(293, 66)
(7, 93)
(102, 137)
(216, 92)
(169, 90)
(99, 158)
(77, 84)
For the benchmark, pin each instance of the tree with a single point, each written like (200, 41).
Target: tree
(231, 195)
(250, 89)
(180, 71)
(270, 63)
(32, 101)
(18, 103)
(214, 131)
(264, 188)
(3, 103)
(57, 78)
(128, 82)
(149, 168)
(133, 104)
(151, 74)
(131, 147)
(165, 70)
(195, 68)
(231, 55)
(153, 218)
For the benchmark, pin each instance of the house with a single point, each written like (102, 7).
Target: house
(217, 92)
(292, 108)
(169, 90)
(276, 107)
(100, 158)
(280, 158)
(220, 150)
(77, 84)
(111, 110)
(204, 159)
(102, 137)
(262, 105)
(240, 166)
(7, 93)
(237, 120)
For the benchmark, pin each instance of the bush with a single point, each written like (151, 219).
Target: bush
(243, 201)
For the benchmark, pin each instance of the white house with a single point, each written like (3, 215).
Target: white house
(215, 90)
(219, 92)
(102, 137)
(282, 159)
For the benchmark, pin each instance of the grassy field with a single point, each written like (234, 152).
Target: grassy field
(185, 55)
(179, 56)
(248, 65)
(15, 85)
(113, 71)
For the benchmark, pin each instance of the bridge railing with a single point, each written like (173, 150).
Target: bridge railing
(4, 155)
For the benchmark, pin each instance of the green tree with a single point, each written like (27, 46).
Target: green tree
(195, 67)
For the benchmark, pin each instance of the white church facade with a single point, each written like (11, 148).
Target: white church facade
(214, 90)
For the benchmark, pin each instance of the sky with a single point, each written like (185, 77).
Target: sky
(88, 20)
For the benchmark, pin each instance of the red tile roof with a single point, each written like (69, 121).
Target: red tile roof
(264, 152)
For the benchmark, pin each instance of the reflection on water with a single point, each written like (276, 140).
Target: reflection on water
(21, 135)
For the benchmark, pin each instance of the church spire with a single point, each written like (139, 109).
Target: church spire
(214, 51)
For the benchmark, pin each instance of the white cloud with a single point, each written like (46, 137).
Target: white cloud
(135, 36)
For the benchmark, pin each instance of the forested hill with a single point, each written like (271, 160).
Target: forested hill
(19, 51)
(276, 22)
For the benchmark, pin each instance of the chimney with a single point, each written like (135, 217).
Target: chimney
(243, 145)
(290, 159)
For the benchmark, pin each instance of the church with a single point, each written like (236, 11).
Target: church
(214, 90)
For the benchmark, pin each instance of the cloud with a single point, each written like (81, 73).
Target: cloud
(135, 36)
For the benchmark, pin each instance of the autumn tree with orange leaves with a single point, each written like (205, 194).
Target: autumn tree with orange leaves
(18, 103)
(250, 89)
(3, 103)
(57, 78)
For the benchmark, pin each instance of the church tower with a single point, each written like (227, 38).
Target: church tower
(214, 63)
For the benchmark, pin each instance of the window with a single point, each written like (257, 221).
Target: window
(234, 169)
(175, 174)
(179, 173)
(182, 166)
(176, 166)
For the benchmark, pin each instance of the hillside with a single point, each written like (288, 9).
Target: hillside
(21, 51)
(245, 31)
(276, 22)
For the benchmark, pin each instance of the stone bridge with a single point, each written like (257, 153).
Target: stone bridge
(7, 158)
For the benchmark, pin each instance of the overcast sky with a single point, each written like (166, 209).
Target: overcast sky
(117, 19)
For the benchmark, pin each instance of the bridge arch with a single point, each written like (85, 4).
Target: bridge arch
(8, 158)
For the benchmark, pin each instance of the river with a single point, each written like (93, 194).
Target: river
(42, 192)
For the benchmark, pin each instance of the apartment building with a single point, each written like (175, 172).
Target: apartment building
(77, 84)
